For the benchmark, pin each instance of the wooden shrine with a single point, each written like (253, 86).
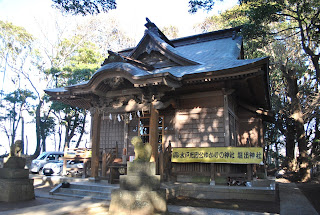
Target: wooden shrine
(196, 91)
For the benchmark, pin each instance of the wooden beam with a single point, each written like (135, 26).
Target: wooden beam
(201, 94)
(153, 133)
(96, 126)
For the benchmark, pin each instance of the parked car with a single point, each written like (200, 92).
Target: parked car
(55, 168)
(44, 158)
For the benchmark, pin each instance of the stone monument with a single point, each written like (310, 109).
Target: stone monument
(15, 184)
(140, 192)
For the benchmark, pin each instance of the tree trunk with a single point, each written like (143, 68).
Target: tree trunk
(267, 154)
(290, 147)
(82, 129)
(297, 117)
(38, 131)
(22, 136)
(315, 151)
(277, 155)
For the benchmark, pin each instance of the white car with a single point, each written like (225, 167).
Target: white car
(55, 168)
(46, 157)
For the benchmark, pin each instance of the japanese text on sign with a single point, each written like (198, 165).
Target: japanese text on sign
(244, 155)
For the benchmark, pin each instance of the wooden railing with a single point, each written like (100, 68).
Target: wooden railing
(108, 156)
(82, 154)
(165, 163)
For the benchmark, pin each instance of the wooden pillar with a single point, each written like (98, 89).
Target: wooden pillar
(85, 166)
(96, 126)
(212, 174)
(125, 138)
(226, 121)
(64, 167)
(153, 133)
(249, 172)
(104, 164)
(161, 165)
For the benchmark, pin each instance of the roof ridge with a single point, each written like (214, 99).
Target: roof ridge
(203, 37)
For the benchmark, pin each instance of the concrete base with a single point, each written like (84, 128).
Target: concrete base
(94, 179)
(140, 183)
(13, 190)
(193, 179)
(141, 168)
(6, 173)
(15, 184)
(125, 202)
(139, 192)
(220, 192)
(14, 163)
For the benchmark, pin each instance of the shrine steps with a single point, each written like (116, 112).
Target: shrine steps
(96, 191)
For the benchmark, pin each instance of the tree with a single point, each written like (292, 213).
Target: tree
(81, 60)
(85, 7)
(20, 57)
(15, 48)
(301, 16)
(292, 79)
(13, 105)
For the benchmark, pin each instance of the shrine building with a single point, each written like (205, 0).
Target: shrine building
(193, 96)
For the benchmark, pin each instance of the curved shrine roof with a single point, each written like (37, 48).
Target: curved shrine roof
(157, 60)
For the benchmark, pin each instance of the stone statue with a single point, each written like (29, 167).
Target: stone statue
(15, 184)
(142, 150)
(140, 191)
(16, 149)
(15, 160)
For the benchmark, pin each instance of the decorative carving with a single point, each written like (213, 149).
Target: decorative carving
(113, 57)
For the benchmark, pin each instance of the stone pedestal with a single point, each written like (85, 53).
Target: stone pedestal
(139, 192)
(15, 184)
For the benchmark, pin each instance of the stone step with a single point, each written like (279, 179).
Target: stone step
(84, 192)
(103, 188)
(82, 196)
(81, 190)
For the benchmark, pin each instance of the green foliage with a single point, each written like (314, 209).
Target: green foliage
(80, 61)
(12, 106)
(14, 41)
(76, 61)
(195, 5)
(15, 47)
(48, 126)
(17, 98)
(288, 32)
(85, 7)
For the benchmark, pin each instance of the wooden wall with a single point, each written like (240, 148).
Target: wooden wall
(250, 128)
(197, 121)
